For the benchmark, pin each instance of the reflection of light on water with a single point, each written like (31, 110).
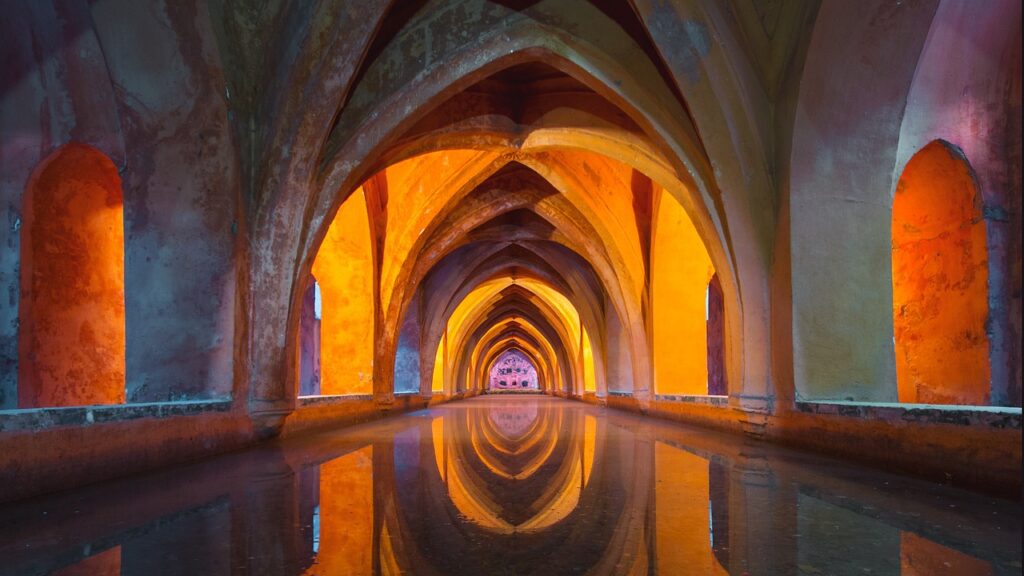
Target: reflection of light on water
(627, 499)
(316, 529)
(526, 435)
(711, 524)
(514, 420)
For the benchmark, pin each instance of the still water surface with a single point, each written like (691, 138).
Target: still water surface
(523, 485)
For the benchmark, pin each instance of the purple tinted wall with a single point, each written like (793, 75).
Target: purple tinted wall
(717, 384)
(513, 371)
(309, 343)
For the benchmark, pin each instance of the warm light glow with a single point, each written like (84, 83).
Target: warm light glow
(589, 446)
(940, 282)
(344, 270)
(437, 437)
(683, 522)
(72, 331)
(589, 377)
(600, 188)
(681, 269)
(493, 452)
(418, 188)
(922, 557)
(437, 379)
(346, 515)
(105, 563)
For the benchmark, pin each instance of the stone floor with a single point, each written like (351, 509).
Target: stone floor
(514, 485)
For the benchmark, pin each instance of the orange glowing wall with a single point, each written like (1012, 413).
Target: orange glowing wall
(589, 376)
(72, 333)
(921, 557)
(683, 523)
(344, 270)
(106, 563)
(940, 281)
(680, 271)
(346, 515)
(437, 378)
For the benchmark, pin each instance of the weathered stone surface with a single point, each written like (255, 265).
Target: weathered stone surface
(468, 177)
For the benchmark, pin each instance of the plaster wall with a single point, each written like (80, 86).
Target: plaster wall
(141, 83)
(55, 88)
(182, 190)
(619, 368)
(841, 168)
(966, 91)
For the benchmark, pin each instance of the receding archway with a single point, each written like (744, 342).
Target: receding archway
(72, 332)
(940, 281)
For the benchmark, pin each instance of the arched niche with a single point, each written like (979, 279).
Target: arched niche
(940, 281)
(72, 315)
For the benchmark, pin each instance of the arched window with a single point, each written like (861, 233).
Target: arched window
(940, 281)
(717, 384)
(72, 334)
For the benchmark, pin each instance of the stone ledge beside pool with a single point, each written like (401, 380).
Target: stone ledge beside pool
(43, 418)
(994, 416)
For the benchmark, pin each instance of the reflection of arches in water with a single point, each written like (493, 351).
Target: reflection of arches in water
(337, 511)
(427, 528)
(515, 483)
(580, 508)
(686, 528)
(513, 420)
